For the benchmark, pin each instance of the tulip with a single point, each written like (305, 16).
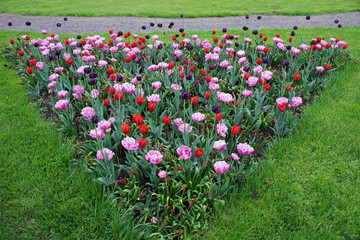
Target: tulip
(199, 152)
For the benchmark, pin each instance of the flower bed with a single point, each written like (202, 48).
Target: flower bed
(172, 127)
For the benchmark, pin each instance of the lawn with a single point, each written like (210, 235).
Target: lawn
(145, 8)
(313, 174)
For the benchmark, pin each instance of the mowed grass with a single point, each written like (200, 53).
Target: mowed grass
(308, 185)
(43, 193)
(173, 8)
(313, 173)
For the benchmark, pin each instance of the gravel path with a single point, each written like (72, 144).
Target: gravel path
(133, 24)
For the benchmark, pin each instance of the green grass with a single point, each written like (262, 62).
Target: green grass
(314, 183)
(308, 183)
(43, 193)
(173, 8)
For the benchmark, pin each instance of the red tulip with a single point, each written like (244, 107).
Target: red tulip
(11, 41)
(171, 65)
(138, 119)
(259, 61)
(112, 77)
(117, 96)
(218, 116)
(192, 68)
(194, 100)
(207, 95)
(110, 70)
(282, 107)
(29, 70)
(21, 52)
(151, 106)
(167, 120)
(143, 129)
(203, 72)
(273, 120)
(290, 39)
(183, 34)
(216, 39)
(288, 88)
(140, 100)
(297, 77)
(199, 152)
(106, 102)
(213, 32)
(180, 168)
(261, 35)
(265, 39)
(208, 79)
(277, 35)
(246, 76)
(112, 90)
(235, 130)
(267, 86)
(33, 62)
(142, 142)
(221, 45)
(328, 67)
(127, 59)
(69, 61)
(125, 128)
(110, 31)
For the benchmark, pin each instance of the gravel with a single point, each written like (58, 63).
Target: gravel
(134, 24)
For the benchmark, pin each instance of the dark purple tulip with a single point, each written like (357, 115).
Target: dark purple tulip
(143, 27)
(245, 28)
(286, 63)
(216, 109)
(265, 60)
(336, 21)
(92, 81)
(172, 23)
(292, 33)
(339, 26)
(28, 23)
(159, 25)
(211, 67)
(137, 60)
(58, 24)
(177, 35)
(36, 45)
(170, 26)
(93, 75)
(189, 47)
(181, 29)
(177, 59)
(57, 52)
(246, 69)
(188, 76)
(119, 78)
(185, 95)
(147, 36)
(9, 24)
(313, 42)
(258, 17)
(181, 47)
(51, 57)
(78, 37)
(237, 44)
(255, 32)
(95, 119)
(87, 70)
(231, 37)
(224, 30)
(308, 17)
(288, 47)
(139, 77)
(79, 45)
(65, 19)
(295, 27)
(181, 15)
(247, 17)
(160, 46)
(152, 24)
